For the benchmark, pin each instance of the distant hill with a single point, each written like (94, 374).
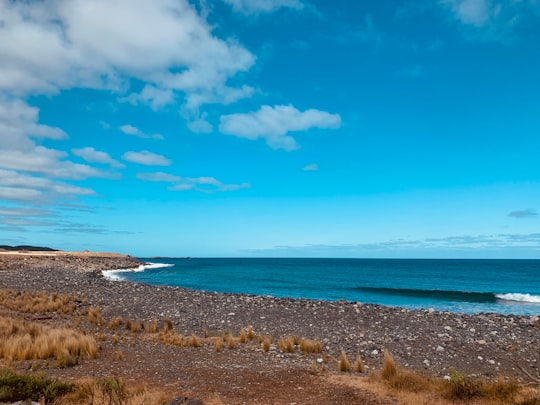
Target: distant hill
(27, 248)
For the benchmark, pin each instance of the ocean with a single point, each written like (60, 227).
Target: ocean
(463, 286)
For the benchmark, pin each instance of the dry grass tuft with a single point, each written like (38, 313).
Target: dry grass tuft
(310, 346)
(134, 326)
(251, 333)
(30, 341)
(167, 325)
(344, 363)
(194, 341)
(286, 344)
(218, 344)
(242, 337)
(267, 342)
(151, 327)
(359, 365)
(39, 302)
(95, 317)
(389, 369)
(116, 322)
(231, 341)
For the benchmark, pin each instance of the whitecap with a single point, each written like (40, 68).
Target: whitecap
(116, 275)
(519, 297)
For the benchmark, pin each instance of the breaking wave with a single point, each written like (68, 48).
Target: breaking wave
(116, 275)
(450, 295)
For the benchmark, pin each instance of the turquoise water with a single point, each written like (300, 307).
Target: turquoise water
(468, 286)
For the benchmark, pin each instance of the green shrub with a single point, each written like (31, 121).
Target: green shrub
(462, 387)
(17, 387)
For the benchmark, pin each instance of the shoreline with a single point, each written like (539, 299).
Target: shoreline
(469, 302)
(427, 341)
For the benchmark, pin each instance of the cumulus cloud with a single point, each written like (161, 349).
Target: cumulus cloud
(94, 156)
(19, 124)
(491, 20)
(263, 6)
(150, 95)
(52, 45)
(131, 130)
(29, 172)
(528, 213)
(146, 158)
(274, 123)
(200, 125)
(158, 53)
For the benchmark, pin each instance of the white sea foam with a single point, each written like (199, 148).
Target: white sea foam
(116, 275)
(519, 297)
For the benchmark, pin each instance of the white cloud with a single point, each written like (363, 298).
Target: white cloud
(156, 98)
(312, 167)
(25, 212)
(200, 125)
(131, 130)
(16, 186)
(266, 6)
(19, 123)
(93, 156)
(146, 158)
(158, 177)
(47, 162)
(202, 184)
(52, 45)
(472, 12)
(20, 194)
(27, 170)
(491, 20)
(206, 185)
(274, 123)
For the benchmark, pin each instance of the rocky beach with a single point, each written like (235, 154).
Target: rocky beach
(486, 345)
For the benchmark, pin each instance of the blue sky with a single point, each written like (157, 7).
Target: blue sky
(272, 127)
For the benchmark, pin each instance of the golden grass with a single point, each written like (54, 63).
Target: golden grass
(231, 342)
(344, 363)
(359, 365)
(116, 322)
(218, 344)
(251, 333)
(111, 390)
(194, 341)
(95, 317)
(389, 369)
(242, 337)
(267, 343)
(167, 325)
(30, 341)
(151, 327)
(310, 346)
(412, 388)
(286, 344)
(40, 302)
